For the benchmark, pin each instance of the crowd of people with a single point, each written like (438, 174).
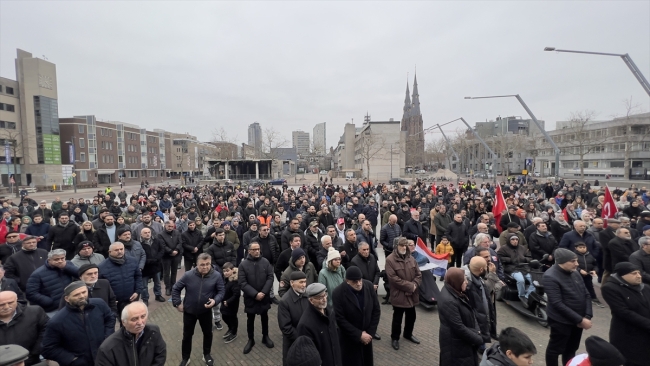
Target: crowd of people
(73, 272)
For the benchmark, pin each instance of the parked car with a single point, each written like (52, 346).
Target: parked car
(398, 180)
(323, 172)
(421, 171)
(277, 182)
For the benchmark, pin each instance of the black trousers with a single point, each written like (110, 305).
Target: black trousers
(250, 325)
(564, 341)
(189, 323)
(190, 260)
(170, 268)
(457, 258)
(231, 321)
(589, 284)
(396, 327)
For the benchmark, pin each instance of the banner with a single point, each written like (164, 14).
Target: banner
(71, 153)
(7, 154)
(609, 206)
(499, 206)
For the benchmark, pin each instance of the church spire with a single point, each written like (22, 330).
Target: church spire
(407, 102)
(415, 110)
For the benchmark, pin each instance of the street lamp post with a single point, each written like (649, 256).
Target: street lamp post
(449, 145)
(626, 58)
(532, 116)
(73, 159)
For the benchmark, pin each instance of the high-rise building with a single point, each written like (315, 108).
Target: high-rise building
(255, 138)
(29, 123)
(320, 140)
(300, 141)
(412, 123)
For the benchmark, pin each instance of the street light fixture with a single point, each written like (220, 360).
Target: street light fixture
(532, 116)
(74, 162)
(626, 58)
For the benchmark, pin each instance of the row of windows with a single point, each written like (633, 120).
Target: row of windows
(8, 89)
(7, 107)
(106, 132)
(107, 145)
(133, 160)
(9, 125)
(108, 159)
(132, 148)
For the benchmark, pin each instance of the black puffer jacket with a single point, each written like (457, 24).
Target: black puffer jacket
(26, 329)
(222, 253)
(269, 247)
(154, 253)
(198, 290)
(458, 235)
(514, 259)
(192, 239)
(62, 237)
(256, 275)
(459, 335)
(171, 241)
(568, 299)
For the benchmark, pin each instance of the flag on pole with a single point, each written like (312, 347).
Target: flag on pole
(609, 206)
(499, 206)
(434, 190)
(438, 260)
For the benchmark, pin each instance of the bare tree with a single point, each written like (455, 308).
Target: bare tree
(271, 141)
(507, 146)
(13, 138)
(580, 139)
(371, 145)
(635, 135)
(227, 144)
(434, 152)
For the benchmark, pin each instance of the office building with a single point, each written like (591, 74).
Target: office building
(255, 138)
(319, 138)
(300, 141)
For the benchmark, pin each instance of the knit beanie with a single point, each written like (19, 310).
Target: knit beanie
(563, 255)
(602, 353)
(86, 267)
(332, 254)
(303, 352)
(624, 268)
(73, 286)
(353, 273)
(296, 254)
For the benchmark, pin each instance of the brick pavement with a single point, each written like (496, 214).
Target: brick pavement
(426, 329)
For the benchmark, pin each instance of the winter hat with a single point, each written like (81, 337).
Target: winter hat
(121, 230)
(12, 354)
(297, 275)
(647, 227)
(303, 352)
(226, 223)
(512, 225)
(85, 244)
(86, 267)
(315, 289)
(296, 254)
(332, 254)
(602, 353)
(624, 268)
(563, 255)
(73, 286)
(353, 273)
(340, 221)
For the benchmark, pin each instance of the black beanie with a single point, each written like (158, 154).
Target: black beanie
(624, 268)
(602, 353)
(86, 267)
(353, 273)
(303, 352)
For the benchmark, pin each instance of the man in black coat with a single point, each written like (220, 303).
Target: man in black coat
(629, 301)
(23, 325)
(349, 247)
(118, 348)
(256, 282)
(357, 315)
(22, 264)
(9, 284)
(367, 263)
(312, 238)
(292, 228)
(192, 240)
(619, 249)
(569, 307)
(173, 251)
(221, 250)
(268, 245)
(641, 258)
(319, 324)
(291, 307)
(153, 249)
(62, 235)
(459, 238)
(98, 288)
(480, 297)
(541, 242)
(413, 228)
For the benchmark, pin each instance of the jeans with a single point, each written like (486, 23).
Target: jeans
(156, 286)
(170, 268)
(216, 313)
(250, 325)
(521, 284)
(396, 326)
(189, 323)
(564, 340)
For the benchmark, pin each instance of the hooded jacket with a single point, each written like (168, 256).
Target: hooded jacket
(493, 356)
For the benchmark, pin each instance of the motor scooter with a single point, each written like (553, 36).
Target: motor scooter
(537, 300)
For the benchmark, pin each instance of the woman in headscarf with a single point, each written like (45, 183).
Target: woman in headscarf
(26, 221)
(460, 337)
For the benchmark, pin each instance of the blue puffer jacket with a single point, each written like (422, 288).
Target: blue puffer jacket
(125, 279)
(45, 286)
(67, 336)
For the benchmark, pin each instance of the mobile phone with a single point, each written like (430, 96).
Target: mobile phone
(208, 302)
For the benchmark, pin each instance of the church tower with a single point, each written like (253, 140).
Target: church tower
(412, 123)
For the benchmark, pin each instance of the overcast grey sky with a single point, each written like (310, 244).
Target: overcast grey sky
(195, 66)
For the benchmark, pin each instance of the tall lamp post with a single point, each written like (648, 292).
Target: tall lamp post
(532, 116)
(626, 58)
(73, 161)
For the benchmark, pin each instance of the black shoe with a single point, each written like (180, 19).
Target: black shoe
(377, 337)
(267, 341)
(208, 360)
(231, 338)
(168, 292)
(413, 339)
(249, 346)
(395, 344)
(184, 363)
(159, 298)
(386, 302)
(146, 302)
(228, 333)
(275, 301)
(218, 325)
(524, 301)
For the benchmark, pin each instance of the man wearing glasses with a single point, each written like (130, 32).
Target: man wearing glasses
(319, 324)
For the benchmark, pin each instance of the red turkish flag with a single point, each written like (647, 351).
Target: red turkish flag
(609, 206)
(499, 206)
(434, 189)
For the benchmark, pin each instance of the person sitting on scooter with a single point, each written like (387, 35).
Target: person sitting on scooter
(515, 261)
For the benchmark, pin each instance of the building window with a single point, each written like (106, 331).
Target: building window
(110, 146)
(8, 125)
(82, 157)
(133, 173)
(9, 90)
(110, 133)
(81, 128)
(616, 164)
(82, 143)
(7, 107)
(83, 176)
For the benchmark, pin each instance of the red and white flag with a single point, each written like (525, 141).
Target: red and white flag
(499, 206)
(438, 260)
(434, 190)
(609, 206)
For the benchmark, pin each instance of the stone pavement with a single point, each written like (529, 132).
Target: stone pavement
(426, 329)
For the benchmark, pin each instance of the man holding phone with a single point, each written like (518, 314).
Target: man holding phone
(204, 288)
